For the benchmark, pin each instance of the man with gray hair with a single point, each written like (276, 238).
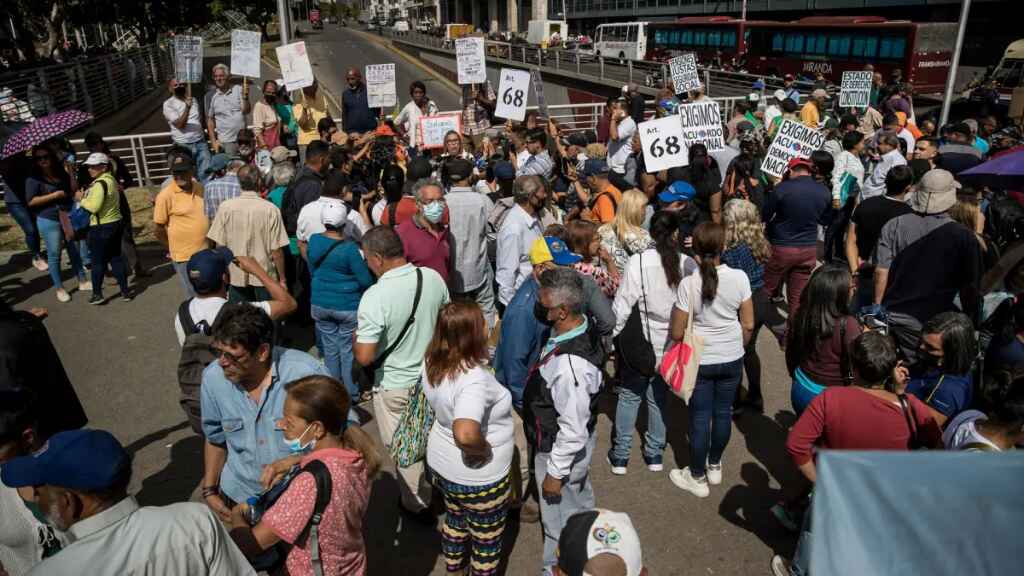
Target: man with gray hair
(250, 226)
(226, 108)
(889, 148)
(560, 403)
(425, 236)
(517, 229)
(221, 183)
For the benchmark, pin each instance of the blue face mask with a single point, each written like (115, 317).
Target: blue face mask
(295, 445)
(433, 211)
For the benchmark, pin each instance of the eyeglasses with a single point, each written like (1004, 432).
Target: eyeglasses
(218, 354)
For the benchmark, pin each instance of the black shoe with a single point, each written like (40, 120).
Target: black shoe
(756, 405)
(128, 295)
(424, 517)
(97, 299)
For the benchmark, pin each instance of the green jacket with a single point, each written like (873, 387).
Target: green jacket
(102, 199)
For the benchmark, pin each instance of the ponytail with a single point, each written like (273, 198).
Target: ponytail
(665, 232)
(708, 243)
(708, 277)
(355, 438)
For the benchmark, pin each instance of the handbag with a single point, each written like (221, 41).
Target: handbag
(409, 444)
(636, 351)
(81, 218)
(681, 363)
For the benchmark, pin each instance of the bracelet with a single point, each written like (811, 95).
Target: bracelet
(211, 491)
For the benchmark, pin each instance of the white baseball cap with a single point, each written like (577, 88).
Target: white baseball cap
(333, 213)
(593, 532)
(97, 158)
(779, 95)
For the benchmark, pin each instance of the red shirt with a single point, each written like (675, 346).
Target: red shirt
(424, 248)
(404, 210)
(851, 418)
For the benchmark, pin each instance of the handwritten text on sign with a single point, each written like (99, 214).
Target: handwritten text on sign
(295, 66)
(513, 92)
(433, 128)
(188, 59)
(381, 91)
(684, 73)
(662, 142)
(245, 53)
(702, 123)
(794, 140)
(469, 55)
(855, 91)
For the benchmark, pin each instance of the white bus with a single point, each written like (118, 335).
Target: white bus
(625, 41)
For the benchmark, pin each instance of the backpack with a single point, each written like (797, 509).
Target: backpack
(494, 221)
(289, 213)
(312, 530)
(195, 357)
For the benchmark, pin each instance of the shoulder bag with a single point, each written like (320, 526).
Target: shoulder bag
(845, 370)
(908, 413)
(363, 376)
(681, 363)
(409, 444)
(636, 351)
(80, 217)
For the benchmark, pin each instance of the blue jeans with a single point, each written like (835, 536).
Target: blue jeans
(182, 270)
(200, 158)
(711, 413)
(634, 390)
(335, 330)
(577, 495)
(23, 217)
(53, 235)
(105, 246)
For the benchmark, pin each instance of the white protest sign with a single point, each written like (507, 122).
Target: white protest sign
(469, 54)
(380, 86)
(295, 66)
(513, 92)
(793, 140)
(662, 143)
(245, 53)
(188, 59)
(702, 122)
(433, 128)
(684, 73)
(855, 91)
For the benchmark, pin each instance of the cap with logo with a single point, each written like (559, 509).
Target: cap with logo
(819, 93)
(182, 165)
(794, 162)
(594, 532)
(678, 191)
(87, 460)
(206, 268)
(552, 249)
(779, 94)
(334, 212)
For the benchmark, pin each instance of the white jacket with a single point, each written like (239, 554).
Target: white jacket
(846, 163)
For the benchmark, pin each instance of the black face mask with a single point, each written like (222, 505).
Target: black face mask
(928, 362)
(180, 91)
(541, 313)
(270, 98)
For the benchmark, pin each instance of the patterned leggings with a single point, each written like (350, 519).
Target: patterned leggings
(477, 514)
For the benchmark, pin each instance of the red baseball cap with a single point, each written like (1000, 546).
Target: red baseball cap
(793, 163)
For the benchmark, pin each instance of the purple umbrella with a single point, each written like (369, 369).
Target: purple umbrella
(43, 129)
(1005, 172)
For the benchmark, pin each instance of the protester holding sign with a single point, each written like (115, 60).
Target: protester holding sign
(702, 124)
(662, 144)
(356, 115)
(225, 112)
(685, 77)
(855, 90)
(408, 120)
(182, 115)
(308, 111)
(380, 86)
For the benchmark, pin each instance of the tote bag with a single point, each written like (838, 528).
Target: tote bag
(681, 362)
(409, 444)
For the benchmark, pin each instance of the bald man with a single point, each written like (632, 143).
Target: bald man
(356, 115)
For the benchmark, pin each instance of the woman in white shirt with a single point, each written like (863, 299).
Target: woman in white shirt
(408, 120)
(1002, 428)
(719, 299)
(470, 446)
(648, 288)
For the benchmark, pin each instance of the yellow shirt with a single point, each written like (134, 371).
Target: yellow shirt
(317, 110)
(103, 200)
(809, 115)
(185, 218)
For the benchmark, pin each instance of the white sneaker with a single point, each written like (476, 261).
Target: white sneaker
(63, 296)
(85, 286)
(40, 264)
(780, 566)
(714, 472)
(616, 470)
(684, 480)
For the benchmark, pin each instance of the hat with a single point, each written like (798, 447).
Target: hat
(819, 93)
(935, 192)
(280, 154)
(595, 167)
(779, 94)
(788, 77)
(678, 191)
(972, 124)
(206, 268)
(334, 212)
(97, 158)
(503, 170)
(87, 460)
(182, 165)
(217, 163)
(552, 249)
(962, 128)
(458, 169)
(794, 162)
(418, 168)
(593, 532)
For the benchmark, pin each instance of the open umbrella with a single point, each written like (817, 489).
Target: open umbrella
(1005, 172)
(43, 129)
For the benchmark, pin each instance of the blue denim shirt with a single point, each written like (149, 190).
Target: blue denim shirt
(249, 430)
(520, 342)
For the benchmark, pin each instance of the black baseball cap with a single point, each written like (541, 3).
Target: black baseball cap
(459, 169)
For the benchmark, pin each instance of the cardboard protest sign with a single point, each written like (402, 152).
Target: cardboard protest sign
(245, 53)
(662, 143)
(793, 140)
(513, 92)
(855, 91)
(188, 59)
(295, 67)
(381, 91)
(471, 60)
(433, 128)
(702, 122)
(684, 73)
(538, 90)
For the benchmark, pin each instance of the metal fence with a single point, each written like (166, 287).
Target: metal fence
(100, 85)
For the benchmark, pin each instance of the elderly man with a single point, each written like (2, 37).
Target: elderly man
(221, 183)
(889, 147)
(356, 115)
(468, 212)
(242, 399)
(516, 233)
(425, 236)
(180, 218)
(560, 404)
(810, 114)
(226, 108)
(80, 481)
(182, 114)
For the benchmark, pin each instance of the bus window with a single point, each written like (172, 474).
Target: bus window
(673, 38)
(778, 41)
(687, 38)
(700, 38)
(871, 47)
(892, 48)
(714, 38)
(816, 43)
(795, 43)
(660, 37)
(631, 31)
(839, 45)
(729, 39)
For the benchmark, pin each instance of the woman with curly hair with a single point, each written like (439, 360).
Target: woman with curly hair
(625, 236)
(581, 237)
(747, 249)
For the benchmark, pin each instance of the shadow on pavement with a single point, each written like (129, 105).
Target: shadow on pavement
(177, 481)
(395, 545)
(747, 506)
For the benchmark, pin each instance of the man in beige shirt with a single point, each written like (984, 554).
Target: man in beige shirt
(250, 226)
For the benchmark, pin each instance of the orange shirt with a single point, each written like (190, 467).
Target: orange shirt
(185, 218)
(604, 207)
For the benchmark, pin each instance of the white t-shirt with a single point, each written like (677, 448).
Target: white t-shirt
(206, 310)
(377, 212)
(962, 431)
(474, 395)
(619, 150)
(193, 130)
(718, 323)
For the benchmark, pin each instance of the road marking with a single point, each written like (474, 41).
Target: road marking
(455, 88)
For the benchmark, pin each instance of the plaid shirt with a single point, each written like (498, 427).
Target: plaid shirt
(219, 190)
(475, 118)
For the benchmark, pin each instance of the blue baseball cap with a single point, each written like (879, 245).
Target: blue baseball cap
(503, 170)
(217, 163)
(85, 460)
(594, 167)
(206, 268)
(552, 249)
(678, 191)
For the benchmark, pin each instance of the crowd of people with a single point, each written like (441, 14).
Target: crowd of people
(479, 298)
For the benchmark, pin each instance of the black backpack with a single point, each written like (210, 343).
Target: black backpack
(195, 357)
(290, 213)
